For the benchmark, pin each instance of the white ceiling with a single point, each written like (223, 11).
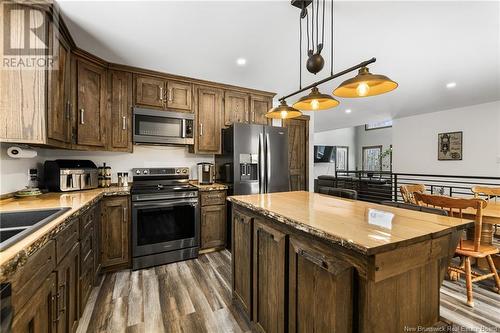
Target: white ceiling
(421, 45)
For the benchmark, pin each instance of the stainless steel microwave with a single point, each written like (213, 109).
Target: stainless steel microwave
(163, 127)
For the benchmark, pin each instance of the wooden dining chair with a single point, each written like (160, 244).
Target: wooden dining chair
(408, 190)
(488, 193)
(466, 249)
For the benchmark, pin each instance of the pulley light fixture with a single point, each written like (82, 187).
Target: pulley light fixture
(362, 85)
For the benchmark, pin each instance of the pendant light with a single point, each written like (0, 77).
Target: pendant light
(283, 111)
(316, 101)
(365, 84)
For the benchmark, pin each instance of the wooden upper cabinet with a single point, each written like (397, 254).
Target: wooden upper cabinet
(150, 91)
(236, 107)
(59, 93)
(23, 95)
(120, 104)
(163, 94)
(91, 109)
(179, 95)
(208, 103)
(115, 231)
(259, 105)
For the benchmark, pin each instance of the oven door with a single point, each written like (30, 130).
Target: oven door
(164, 225)
(152, 126)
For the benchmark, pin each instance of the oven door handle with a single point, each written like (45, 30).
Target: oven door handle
(192, 202)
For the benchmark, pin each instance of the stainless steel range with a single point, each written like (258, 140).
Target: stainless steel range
(165, 217)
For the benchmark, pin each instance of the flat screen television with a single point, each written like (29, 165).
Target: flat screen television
(324, 154)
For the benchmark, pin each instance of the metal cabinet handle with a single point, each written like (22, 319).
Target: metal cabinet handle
(170, 97)
(253, 116)
(318, 261)
(124, 123)
(68, 110)
(82, 112)
(161, 93)
(201, 129)
(125, 218)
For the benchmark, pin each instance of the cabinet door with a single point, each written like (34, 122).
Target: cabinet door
(179, 95)
(150, 91)
(318, 281)
(59, 111)
(115, 231)
(298, 152)
(39, 315)
(269, 253)
(236, 107)
(120, 98)
(213, 226)
(97, 242)
(208, 114)
(91, 105)
(22, 89)
(68, 276)
(242, 260)
(259, 105)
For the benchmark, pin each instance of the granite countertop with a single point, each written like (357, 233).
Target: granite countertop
(211, 187)
(78, 202)
(364, 227)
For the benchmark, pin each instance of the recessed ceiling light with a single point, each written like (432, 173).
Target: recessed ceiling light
(348, 111)
(451, 85)
(241, 61)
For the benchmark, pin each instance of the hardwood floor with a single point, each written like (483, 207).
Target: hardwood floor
(195, 296)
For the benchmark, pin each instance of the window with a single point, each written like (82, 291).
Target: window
(372, 158)
(378, 125)
(342, 158)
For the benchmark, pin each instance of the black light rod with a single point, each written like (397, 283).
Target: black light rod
(331, 77)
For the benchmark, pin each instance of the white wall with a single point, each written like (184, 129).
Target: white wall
(375, 137)
(14, 172)
(338, 137)
(415, 141)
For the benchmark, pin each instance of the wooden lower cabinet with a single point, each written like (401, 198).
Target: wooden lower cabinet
(115, 232)
(269, 255)
(318, 281)
(68, 276)
(39, 315)
(213, 226)
(242, 260)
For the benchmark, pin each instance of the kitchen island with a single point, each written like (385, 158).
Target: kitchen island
(307, 262)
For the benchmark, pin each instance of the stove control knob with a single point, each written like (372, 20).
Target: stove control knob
(184, 171)
(137, 172)
(145, 172)
(177, 170)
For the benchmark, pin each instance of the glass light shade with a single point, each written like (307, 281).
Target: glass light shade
(316, 101)
(365, 84)
(283, 111)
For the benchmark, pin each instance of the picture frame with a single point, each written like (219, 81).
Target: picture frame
(450, 146)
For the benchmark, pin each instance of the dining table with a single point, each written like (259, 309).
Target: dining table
(491, 216)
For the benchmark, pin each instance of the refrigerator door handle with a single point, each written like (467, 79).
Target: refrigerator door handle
(261, 164)
(268, 162)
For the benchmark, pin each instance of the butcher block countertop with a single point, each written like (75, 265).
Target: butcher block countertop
(364, 227)
(78, 202)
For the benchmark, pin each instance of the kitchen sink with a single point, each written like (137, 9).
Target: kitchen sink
(14, 226)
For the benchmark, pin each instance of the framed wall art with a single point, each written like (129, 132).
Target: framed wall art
(450, 146)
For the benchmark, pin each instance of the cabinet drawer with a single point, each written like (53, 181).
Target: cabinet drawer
(86, 244)
(86, 223)
(213, 198)
(27, 280)
(66, 239)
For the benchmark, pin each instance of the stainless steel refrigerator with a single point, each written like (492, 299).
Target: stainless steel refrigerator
(254, 159)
